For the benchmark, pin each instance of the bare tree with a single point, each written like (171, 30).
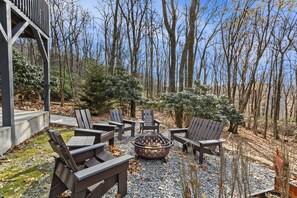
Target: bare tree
(134, 11)
(172, 36)
(282, 44)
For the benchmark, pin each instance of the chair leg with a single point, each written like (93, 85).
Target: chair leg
(103, 188)
(57, 186)
(194, 154)
(185, 147)
(201, 150)
(141, 128)
(133, 131)
(111, 142)
(122, 184)
(220, 149)
(120, 136)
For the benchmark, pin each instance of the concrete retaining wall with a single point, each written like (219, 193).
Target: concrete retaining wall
(5, 139)
(26, 126)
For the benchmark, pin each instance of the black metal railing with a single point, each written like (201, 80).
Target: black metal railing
(37, 11)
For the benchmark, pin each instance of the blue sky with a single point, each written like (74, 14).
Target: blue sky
(91, 4)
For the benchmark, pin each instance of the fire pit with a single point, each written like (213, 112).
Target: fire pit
(152, 146)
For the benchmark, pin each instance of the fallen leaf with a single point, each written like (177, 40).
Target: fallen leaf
(204, 167)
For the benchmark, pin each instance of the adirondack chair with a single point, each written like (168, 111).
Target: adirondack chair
(88, 171)
(102, 132)
(148, 122)
(201, 135)
(122, 124)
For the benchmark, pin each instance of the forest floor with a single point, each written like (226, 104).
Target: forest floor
(256, 147)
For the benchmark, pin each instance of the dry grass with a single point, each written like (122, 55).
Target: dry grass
(189, 177)
(263, 149)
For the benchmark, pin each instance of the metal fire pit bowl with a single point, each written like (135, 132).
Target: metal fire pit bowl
(152, 146)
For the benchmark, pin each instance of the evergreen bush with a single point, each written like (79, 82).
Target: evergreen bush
(28, 79)
(55, 85)
(100, 91)
(124, 88)
(207, 106)
(95, 90)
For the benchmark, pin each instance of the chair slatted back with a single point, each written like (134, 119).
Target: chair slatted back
(58, 145)
(116, 115)
(202, 129)
(147, 115)
(83, 118)
(193, 127)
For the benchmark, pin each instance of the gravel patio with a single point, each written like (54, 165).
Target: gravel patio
(153, 178)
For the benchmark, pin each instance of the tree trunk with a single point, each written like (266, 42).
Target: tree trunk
(190, 40)
(114, 39)
(172, 38)
(267, 103)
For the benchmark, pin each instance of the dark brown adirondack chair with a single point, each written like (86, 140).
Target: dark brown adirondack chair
(202, 135)
(148, 122)
(88, 171)
(102, 132)
(122, 124)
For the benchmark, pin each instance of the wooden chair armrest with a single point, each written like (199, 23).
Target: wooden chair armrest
(178, 130)
(262, 193)
(158, 121)
(116, 123)
(81, 154)
(104, 127)
(211, 142)
(86, 149)
(86, 132)
(129, 121)
(100, 168)
(141, 122)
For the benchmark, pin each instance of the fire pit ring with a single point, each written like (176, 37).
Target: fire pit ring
(152, 146)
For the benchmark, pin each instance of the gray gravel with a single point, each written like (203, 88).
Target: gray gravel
(157, 179)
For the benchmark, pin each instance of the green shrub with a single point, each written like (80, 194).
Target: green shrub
(147, 103)
(28, 79)
(179, 103)
(55, 91)
(55, 84)
(124, 88)
(208, 107)
(205, 106)
(101, 91)
(231, 114)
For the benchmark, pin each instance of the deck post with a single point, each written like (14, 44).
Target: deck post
(6, 68)
(47, 86)
(43, 45)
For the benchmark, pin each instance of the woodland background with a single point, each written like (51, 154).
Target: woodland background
(230, 56)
